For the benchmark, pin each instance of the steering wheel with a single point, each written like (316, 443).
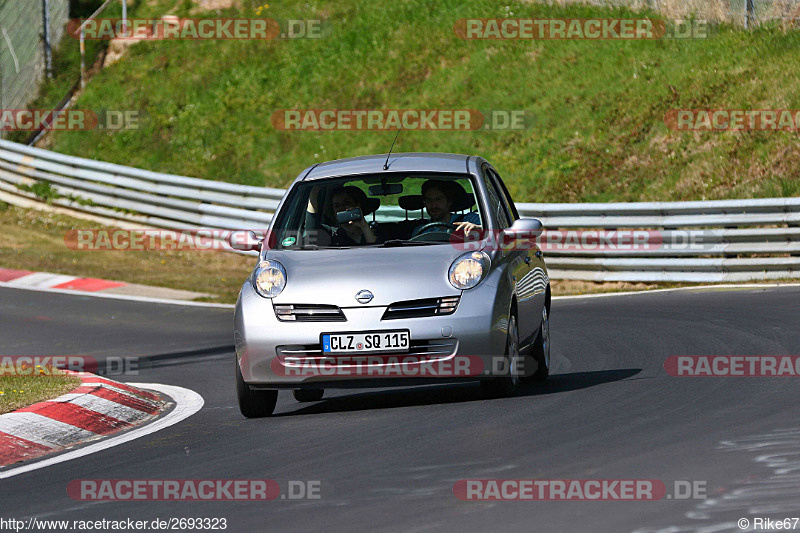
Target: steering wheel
(446, 228)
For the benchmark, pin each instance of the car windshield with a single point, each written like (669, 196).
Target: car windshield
(377, 210)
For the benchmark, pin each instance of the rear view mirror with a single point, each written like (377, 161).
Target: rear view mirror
(386, 189)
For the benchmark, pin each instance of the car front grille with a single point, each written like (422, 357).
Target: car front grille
(309, 313)
(421, 308)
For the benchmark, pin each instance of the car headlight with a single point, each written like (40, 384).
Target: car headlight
(269, 278)
(468, 270)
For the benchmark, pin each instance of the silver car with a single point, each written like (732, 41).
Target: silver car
(393, 270)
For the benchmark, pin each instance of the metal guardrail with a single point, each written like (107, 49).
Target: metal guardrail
(731, 240)
(134, 195)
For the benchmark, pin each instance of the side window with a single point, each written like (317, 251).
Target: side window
(496, 205)
(504, 196)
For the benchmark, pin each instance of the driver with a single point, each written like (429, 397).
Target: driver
(438, 197)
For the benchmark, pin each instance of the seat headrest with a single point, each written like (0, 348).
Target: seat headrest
(411, 202)
(461, 200)
(372, 205)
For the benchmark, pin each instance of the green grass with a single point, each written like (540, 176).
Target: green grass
(18, 391)
(34, 241)
(598, 106)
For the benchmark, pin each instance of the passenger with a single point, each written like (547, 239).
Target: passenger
(350, 233)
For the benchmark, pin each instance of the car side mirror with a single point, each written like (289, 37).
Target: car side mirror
(245, 241)
(524, 228)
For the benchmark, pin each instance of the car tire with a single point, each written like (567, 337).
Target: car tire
(308, 395)
(254, 403)
(507, 385)
(541, 349)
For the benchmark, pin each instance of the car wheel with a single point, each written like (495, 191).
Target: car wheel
(308, 395)
(254, 403)
(541, 349)
(508, 384)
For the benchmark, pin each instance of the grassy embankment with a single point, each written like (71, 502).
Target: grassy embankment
(598, 132)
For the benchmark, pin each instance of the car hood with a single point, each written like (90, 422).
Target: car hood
(333, 277)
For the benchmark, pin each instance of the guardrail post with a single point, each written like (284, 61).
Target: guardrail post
(750, 13)
(83, 58)
(48, 50)
(124, 17)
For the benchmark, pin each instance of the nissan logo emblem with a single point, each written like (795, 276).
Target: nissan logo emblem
(364, 297)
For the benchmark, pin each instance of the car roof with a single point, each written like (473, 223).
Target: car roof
(398, 162)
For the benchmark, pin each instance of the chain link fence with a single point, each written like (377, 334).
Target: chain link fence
(742, 12)
(23, 45)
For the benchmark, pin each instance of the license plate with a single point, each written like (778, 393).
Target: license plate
(376, 341)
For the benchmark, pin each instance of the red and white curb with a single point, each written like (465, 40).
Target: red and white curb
(45, 280)
(187, 403)
(101, 288)
(96, 408)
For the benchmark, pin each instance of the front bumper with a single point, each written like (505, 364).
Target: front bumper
(279, 354)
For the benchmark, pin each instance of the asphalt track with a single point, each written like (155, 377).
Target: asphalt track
(387, 459)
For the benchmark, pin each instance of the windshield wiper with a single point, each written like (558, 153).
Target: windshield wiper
(405, 242)
(315, 247)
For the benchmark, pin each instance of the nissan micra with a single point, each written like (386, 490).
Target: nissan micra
(393, 270)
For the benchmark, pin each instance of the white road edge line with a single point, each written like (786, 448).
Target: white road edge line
(118, 296)
(721, 287)
(187, 403)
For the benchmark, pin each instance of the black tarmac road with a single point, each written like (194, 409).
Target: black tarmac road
(388, 459)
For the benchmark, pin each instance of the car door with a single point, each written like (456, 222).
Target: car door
(517, 260)
(531, 284)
